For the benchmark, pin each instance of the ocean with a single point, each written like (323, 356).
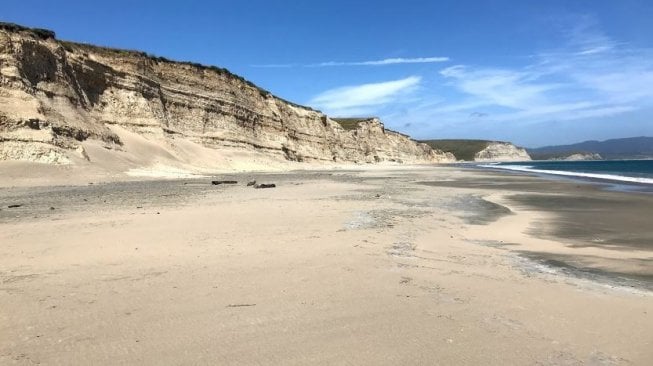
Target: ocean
(616, 171)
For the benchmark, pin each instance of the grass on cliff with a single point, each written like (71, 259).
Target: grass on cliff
(350, 123)
(461, 149)
(38, 32)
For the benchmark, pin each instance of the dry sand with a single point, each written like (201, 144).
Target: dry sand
(344, 267)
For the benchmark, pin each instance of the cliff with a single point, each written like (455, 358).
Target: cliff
(481, 150)
(582, 156)
(502, 151)
(60, 101)
(570, 156)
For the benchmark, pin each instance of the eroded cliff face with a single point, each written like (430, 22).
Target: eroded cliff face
(582, 157)
(56, 96)
(502, 151)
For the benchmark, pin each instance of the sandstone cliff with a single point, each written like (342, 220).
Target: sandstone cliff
(60, 100)
(502, 151)
(582, 156)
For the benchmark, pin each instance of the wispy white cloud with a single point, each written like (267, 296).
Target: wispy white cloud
(585, 36)
(357, 99)
(592, 76)
(383, 62)
(593, 50)
(387, 61)
(506, 88)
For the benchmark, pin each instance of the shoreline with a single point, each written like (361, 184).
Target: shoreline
(582, 215)
(179, 271)
(615, 182)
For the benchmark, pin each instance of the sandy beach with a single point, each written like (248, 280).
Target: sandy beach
(385, 266)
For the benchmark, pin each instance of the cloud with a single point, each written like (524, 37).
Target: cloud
(358, 99)
(586, 36)
(591, 76)
(383, 62)
(590, 84)
(593, 50)
(506, 88)
(387, 61)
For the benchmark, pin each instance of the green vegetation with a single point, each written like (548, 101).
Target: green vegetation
(38, 32)
(72, 46)
(402, 134)
(350, 123)
(461, 149)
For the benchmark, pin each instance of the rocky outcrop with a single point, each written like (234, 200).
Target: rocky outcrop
(502, 151)
(55, 96)
(582, 156)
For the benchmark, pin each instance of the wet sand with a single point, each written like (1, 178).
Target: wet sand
(579, 214)
(403, 265)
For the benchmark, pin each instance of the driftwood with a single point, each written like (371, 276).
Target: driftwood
(265, 185)
(218, 182)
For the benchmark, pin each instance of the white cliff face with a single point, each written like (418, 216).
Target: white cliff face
(583, 156)
(55, 95)
(502, 151)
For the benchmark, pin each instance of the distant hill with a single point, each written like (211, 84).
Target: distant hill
(626, 148)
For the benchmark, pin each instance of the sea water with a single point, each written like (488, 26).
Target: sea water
(618, 171)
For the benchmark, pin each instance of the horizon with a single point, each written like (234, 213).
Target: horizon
(532, 74)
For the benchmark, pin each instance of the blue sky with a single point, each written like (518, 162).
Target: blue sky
(532, 72)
